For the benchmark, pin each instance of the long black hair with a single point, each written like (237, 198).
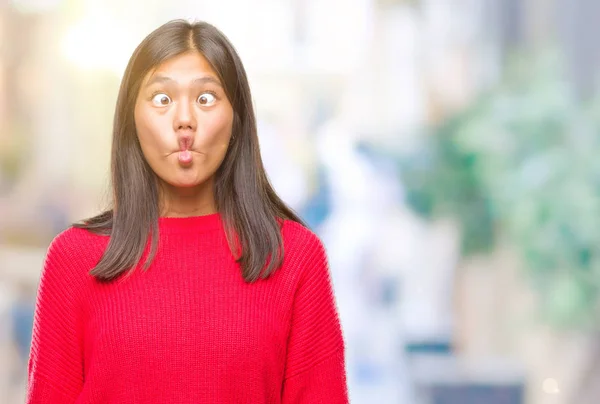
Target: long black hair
(250, 208)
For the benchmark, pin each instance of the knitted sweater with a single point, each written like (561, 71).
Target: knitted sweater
(189, 329)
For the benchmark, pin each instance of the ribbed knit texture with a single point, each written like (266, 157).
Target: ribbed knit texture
(189, 329)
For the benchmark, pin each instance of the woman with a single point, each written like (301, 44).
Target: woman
(199, 285)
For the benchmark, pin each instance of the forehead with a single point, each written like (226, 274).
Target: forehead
(184, 67)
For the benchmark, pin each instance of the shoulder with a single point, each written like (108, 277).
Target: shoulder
(302, 246)
(297, 236)
(64, 277)
(76, 241)
(74, 249)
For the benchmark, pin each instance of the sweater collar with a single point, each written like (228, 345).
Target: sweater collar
(169, 224)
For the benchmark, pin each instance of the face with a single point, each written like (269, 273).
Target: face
(184, 121)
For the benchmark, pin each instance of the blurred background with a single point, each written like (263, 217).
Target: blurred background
(444, 151)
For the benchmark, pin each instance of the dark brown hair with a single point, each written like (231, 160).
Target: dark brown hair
(250, 209)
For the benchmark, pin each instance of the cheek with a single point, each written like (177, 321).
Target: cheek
(217, 129)
(149, 130)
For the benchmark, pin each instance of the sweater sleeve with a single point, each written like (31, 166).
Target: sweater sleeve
(55, 369)
(315, 363)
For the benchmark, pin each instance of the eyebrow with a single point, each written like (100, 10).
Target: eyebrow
(200, 80)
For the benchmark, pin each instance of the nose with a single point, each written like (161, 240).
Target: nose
(185, 119)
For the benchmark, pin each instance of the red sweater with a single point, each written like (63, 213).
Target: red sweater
(189, 329)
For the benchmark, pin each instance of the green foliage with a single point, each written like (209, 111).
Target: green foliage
(13, 153)
(523, 162)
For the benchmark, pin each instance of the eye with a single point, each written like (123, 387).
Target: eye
(206, 99)
(161, 99)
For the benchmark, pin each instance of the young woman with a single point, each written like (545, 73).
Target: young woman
(198, 285)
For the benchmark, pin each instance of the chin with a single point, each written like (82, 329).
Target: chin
(187, 182)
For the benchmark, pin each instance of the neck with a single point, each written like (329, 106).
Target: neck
(184, 202)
